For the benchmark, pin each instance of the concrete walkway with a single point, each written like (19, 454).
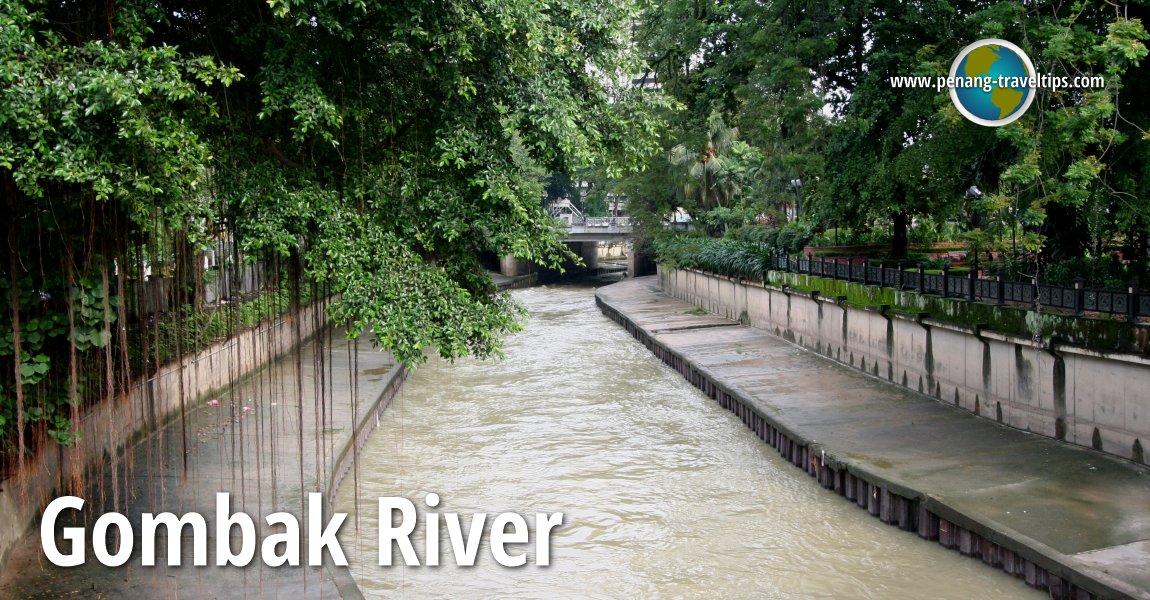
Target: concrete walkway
(267, 441)
(1068, 519)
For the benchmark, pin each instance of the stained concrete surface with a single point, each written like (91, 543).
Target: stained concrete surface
(1077, 507)
(267, 441)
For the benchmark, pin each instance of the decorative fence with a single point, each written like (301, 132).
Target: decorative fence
(1129, 303)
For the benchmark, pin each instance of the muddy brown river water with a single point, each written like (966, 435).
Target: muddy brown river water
(665, 494)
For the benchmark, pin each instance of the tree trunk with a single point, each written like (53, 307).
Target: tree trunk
(898, 240)
(1066, 233)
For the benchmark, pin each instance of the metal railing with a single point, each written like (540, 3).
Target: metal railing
(1129, 303)
(601, 221)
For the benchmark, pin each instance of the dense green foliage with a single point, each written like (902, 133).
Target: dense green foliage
(789, 238)
(807, 86)
(375, 149)
(723, 256)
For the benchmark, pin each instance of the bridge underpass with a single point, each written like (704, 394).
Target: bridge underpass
(595, 240)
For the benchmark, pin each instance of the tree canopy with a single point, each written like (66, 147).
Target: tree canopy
(374, 151)
(809, 84)
(378, 149)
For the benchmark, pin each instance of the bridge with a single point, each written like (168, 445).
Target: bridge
(585, 236)
(581, 228)
(596, 229)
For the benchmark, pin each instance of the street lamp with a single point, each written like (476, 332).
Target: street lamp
(973, 193)
(797, 186)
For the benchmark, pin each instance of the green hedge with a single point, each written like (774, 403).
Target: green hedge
(729, 257)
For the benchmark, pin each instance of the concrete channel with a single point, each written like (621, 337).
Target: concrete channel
(1071, 521)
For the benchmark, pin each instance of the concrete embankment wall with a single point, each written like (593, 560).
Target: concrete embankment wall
(1095, 399)
(111, 425)
(519, 282)
(348, 455)
(925, 508)
(345, 461)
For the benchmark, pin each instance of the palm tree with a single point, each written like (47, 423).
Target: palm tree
(705, 177)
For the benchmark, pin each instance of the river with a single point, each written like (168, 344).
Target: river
(664, 493)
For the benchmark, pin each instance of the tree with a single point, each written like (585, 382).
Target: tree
(371, 148)
(705, 176)
(1076, 151)
(812, 88)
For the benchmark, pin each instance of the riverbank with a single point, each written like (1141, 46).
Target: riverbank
(503, 282)
(284, 431)
(1044, 385)
(149, 403)
(1066, 519)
